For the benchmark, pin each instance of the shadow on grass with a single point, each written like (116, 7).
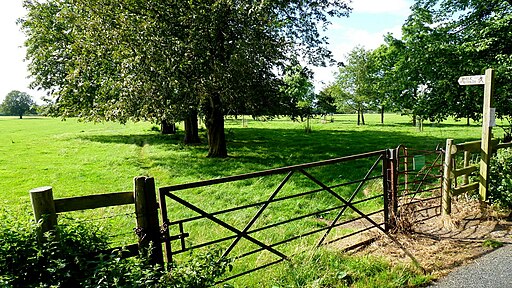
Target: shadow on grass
(255, 149)
(135, 139)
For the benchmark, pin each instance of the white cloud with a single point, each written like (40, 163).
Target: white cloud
(396, 7)
(352, 37)
(366, 27)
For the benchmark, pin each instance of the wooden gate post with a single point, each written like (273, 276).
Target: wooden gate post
(391, 195)
(386, 187)
(447, 181)
(146, 211)
(44, 210)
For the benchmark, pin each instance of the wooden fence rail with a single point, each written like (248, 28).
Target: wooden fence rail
(46, 210)
(451, 187)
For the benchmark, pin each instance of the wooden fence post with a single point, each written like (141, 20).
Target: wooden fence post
(447, 181)
(44, 210)
(390, 174)
(406, 169)
(146, 211)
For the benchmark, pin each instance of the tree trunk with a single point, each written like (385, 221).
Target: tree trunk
(21, 116)
(467, 121)
(382, 114)
(191, 129)
(167, 127)
(215, 126)
(415, 97)
(358, 116)
(362, 117)
(308, 127)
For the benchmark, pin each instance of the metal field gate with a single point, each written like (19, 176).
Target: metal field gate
(418, 181)
(279, 212)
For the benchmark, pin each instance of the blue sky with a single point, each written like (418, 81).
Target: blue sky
(366, 25)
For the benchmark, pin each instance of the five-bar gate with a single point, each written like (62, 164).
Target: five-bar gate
(280, 212)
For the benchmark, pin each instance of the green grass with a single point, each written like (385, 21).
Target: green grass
(324, 268)
(78, 158)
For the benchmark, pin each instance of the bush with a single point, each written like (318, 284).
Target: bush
(55, 263)
(500, 179)
(72, 260)
(201, 271)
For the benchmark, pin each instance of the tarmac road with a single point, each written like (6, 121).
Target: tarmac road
(493, 270)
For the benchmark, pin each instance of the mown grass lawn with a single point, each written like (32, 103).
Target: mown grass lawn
(77, 158)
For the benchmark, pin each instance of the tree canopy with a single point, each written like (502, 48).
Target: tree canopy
(443, 40)
(17, 103)
(168, 59)
(357, 83)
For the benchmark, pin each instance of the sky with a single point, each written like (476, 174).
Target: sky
(369, 21)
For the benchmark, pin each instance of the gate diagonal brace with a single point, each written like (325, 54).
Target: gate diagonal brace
(318, 182)
(225, 225)
(352, 197)
(258, 214)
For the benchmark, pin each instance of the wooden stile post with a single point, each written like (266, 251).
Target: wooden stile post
(447, 181)
(146, 211)
(44, 209)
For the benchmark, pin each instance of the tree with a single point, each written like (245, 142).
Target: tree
(326, 101)
(356, 82)
(299, 88)
(171, 60)
(443, 40)
(17, 103)
(483, 29)
(387, 86)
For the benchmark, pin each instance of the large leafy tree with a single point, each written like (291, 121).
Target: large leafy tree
(298, 88)
(389, 83)
(17, 103)
(169, 59)
(356, 80)
(326, 101)
(483, 28)
(443, 40)
(423, 68)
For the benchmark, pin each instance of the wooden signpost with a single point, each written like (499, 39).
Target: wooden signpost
(488, 122)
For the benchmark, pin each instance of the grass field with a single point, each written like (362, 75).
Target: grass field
(78, 158)
(82, 158)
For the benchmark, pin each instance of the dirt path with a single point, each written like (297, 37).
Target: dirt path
(441, 244)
